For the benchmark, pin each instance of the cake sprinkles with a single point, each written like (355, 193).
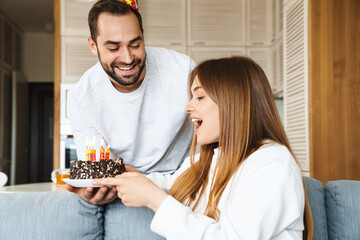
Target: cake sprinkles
(96, 169)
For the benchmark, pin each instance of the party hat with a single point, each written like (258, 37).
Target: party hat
(132, 3)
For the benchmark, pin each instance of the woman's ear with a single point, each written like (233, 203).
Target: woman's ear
(93, 46)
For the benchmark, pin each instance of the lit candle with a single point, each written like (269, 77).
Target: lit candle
(93, 151)
(102, 149)
(87, 154)
(87, 151)
(90, 154)
(107, 153)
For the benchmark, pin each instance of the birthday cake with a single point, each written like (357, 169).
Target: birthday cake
(96, 169)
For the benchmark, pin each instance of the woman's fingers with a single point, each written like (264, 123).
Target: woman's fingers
(105, 181)
(131, 169)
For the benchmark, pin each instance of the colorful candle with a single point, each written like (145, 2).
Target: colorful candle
(87, 154)
(102, 150)
(87, 150)
(107, 153)
(93, 151)
(102, 153)
(90, 154)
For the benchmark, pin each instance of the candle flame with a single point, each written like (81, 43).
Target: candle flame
(101, 142)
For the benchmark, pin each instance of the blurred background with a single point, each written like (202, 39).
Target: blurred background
(309, 50)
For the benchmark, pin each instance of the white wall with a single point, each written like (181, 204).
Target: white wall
(38, 56)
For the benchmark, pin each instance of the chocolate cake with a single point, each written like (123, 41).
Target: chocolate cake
(96, 169)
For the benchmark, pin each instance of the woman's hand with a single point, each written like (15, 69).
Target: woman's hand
(135, 190)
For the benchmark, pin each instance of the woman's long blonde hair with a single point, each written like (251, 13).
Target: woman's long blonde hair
(248, 116)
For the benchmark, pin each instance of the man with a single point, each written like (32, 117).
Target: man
(133, 97)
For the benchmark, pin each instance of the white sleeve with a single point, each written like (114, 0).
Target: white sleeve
(80, 127)
(166, 181)
(262, 206)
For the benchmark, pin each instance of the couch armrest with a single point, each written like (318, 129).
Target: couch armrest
(343, 209)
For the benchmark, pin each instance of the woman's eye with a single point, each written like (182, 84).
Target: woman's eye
(199, 98)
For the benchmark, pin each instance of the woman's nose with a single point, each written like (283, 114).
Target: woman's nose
(189, 108)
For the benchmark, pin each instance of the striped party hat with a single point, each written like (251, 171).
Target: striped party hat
(132, 3)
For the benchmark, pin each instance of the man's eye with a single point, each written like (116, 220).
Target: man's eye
(135, 46)
(113, 49)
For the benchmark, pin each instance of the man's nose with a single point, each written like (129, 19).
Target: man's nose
(126, 55)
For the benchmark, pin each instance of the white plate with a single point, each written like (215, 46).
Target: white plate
(3, 179)
(81, 182)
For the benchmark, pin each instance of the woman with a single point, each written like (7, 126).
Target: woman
(244, 183)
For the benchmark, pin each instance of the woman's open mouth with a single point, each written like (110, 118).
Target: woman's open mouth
(197, 122)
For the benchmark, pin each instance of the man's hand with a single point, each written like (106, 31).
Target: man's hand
(97, 196)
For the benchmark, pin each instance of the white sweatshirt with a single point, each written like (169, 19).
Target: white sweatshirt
(148, 127)
(264, 200)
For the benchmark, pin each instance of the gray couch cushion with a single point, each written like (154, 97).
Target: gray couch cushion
(48, 215)
(316, 196)
(343, 209)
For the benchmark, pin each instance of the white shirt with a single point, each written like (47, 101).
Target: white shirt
(264, 200)
(148, 127)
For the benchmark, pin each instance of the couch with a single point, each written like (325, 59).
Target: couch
(335, 209)
(63, 215)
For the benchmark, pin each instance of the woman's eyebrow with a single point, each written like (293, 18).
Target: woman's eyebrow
(196, 88)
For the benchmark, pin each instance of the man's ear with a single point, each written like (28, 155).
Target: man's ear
(92, 45)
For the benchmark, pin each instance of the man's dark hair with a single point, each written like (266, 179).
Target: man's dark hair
(114, 7)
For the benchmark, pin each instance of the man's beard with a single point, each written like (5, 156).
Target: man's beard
(126, 80)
